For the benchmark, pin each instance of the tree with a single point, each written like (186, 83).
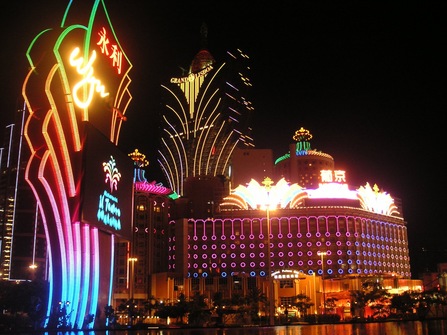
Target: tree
(176, 311)
(254, 298)
(130, 307)
(109, 312)
(199, 312)
(330, 303)
(151, 305)
(403, 304)
(358, 303)
(373, 295)
(302, 303)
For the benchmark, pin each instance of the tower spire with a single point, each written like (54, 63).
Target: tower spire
(203, 36)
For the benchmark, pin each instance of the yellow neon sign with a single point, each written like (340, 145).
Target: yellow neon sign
(89, 81)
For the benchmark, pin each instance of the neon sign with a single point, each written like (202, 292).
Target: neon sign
(329, 176)
(192, 76)
(89, 81)
(112, 51)
(108, 211)
(79, 112)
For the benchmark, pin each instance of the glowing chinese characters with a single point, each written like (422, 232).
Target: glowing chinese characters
(111, 51)
(87, 86)
(329, 176)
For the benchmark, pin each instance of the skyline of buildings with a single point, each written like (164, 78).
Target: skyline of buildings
(220, 241)
(198, 242)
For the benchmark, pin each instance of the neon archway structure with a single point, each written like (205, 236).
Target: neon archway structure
(77, 94)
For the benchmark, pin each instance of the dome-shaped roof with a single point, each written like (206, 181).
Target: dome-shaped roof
(201, 61)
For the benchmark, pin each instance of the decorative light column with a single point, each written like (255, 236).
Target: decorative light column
(322, 254)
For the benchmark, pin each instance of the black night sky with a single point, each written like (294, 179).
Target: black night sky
(367, 79)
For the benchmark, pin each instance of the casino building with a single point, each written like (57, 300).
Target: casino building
(338, 235)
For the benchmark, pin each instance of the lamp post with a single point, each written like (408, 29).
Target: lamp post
(322, 254)
(131, 307)
(267, 185)
(132, 261)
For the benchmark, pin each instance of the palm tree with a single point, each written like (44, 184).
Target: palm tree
(254, 298)
(372, 294)
(151, 305)
(302, 303)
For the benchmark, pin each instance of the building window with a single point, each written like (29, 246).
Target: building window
(223, 285)
(209, 281)
(237, 283)
(195, 284)
(286, 301)
(286, 283)
(251, 283)
(178, 281)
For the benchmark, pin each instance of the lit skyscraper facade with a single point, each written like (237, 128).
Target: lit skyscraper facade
(206, 115)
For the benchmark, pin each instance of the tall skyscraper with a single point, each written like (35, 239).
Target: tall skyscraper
(22, 237)
(206, 116)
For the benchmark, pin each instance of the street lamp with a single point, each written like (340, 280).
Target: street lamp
(322, 254)
(131, 306)
(267, 185)
(33, 266)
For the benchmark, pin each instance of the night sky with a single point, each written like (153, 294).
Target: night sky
(366, 79)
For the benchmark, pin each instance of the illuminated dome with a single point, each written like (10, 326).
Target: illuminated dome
(302, 164)
(201, 61)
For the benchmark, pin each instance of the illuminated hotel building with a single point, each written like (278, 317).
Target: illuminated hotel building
(329, 232)
(206, 115)
(141, 264)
